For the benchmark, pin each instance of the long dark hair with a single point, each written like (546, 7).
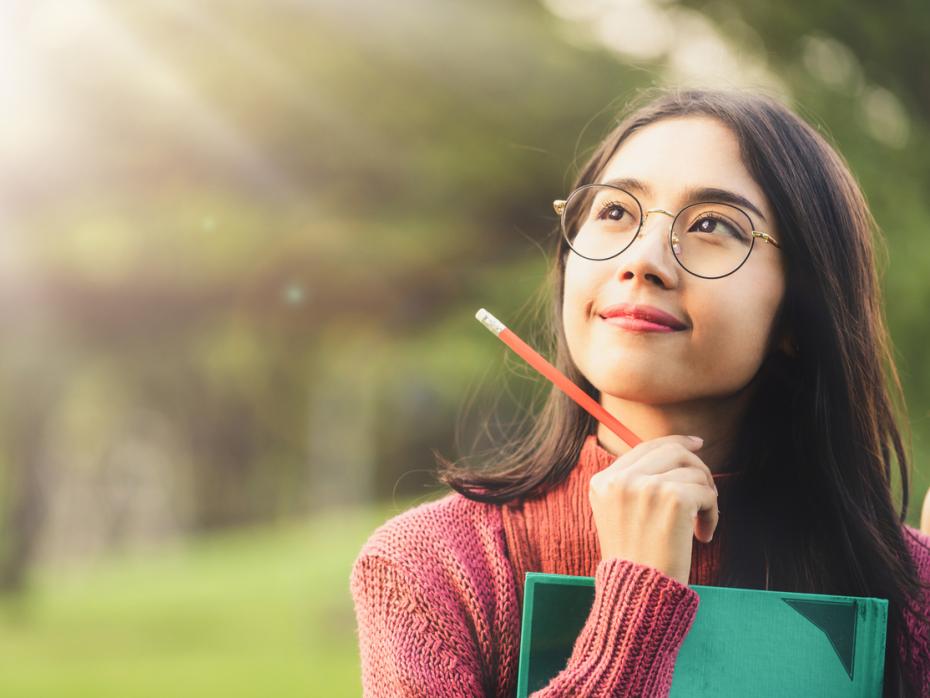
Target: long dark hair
(818, 438)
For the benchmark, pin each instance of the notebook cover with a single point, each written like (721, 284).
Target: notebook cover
(743, 642)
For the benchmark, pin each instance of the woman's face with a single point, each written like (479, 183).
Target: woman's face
(728, 319)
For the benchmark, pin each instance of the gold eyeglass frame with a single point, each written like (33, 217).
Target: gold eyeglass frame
(559, 206)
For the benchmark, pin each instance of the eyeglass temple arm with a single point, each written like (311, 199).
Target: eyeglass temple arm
(765, 236)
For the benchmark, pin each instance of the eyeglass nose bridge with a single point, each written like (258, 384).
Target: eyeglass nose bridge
(676, 243)
(675, 240)
(657, 210)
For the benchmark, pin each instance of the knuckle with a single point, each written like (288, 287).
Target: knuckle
(679, 504)
(672, 496)
(670, 449)
(606, 485)
(659, 490)
(678, 454)
(623, 479)
(691, 459)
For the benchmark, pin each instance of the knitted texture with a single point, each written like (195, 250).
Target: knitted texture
(438, 591)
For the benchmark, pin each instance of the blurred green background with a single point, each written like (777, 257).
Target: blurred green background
(242, 248)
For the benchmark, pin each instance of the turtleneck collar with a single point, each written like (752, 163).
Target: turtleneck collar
(555, 533)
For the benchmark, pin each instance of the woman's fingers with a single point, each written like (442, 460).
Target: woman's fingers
(644, 447)
(694, 476)
(662, 458)
(707, 516)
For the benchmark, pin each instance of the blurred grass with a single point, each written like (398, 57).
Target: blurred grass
(262, 611)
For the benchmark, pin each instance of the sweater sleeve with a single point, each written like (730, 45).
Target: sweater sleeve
(409, 645)
(918, 660)
(413, 644)
(630, 641)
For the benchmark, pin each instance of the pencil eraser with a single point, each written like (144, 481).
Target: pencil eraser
(489, 321)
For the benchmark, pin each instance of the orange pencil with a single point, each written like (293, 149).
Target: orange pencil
(510, 338)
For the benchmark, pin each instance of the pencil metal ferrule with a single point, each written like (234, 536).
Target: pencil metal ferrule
(489, 321)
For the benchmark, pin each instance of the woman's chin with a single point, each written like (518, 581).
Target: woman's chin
(635, 386)
(633, 362)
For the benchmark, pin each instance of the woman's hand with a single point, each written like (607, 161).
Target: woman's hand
(645, 504)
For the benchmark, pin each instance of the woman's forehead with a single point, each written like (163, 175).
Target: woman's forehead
(678, 154)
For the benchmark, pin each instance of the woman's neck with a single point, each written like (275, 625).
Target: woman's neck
(716, 421)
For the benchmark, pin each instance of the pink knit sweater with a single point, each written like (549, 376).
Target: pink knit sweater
(438, 593)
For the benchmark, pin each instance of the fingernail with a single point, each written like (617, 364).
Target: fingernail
(696, 439)
(715, 489)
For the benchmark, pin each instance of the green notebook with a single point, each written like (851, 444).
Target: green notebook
(744, 642)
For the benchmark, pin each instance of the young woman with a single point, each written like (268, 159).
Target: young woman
(715, 277)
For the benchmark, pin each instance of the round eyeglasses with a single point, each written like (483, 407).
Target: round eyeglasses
(709, 239)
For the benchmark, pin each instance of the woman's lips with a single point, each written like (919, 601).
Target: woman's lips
(636, 324)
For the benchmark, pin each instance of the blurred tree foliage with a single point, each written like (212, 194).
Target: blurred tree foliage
(252, 242)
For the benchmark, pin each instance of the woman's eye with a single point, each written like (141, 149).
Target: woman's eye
(709, 225)
(612, 211)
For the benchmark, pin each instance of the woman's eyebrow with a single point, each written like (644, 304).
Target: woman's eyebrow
(692, 194)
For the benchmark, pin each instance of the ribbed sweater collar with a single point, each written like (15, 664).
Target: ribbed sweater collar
(555, 533)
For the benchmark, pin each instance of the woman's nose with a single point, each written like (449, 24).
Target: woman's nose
(661, 224)
(652, 260)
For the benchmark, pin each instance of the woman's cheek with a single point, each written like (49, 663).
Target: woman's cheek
(732, 352)
(580, 339)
